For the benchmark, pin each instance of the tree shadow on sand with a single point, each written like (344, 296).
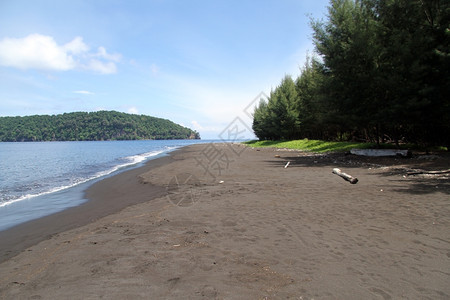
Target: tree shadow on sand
(394, 168)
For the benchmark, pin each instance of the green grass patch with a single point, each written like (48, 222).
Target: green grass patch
(327, 146)
(311, 145)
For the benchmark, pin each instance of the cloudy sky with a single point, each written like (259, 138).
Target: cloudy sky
(198, 63)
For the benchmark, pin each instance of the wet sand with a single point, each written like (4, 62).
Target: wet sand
(218, 221)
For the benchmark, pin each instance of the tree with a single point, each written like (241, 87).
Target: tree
(309, 99)
(283, 110)
(415, 65)
(278, 118)
(347, 45)
(381, 73)
(260, 121)
(387, 65)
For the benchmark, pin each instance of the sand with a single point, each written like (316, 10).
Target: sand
(223, 221)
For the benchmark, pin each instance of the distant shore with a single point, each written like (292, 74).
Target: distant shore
(228, 221)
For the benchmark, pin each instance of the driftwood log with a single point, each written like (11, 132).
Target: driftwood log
(347, 177)
(428, 172)
(380, 152)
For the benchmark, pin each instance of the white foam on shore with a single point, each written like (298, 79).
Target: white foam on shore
(130, 161)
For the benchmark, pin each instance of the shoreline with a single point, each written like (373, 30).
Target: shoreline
(218, 221)
(59, 183)
(16, 239)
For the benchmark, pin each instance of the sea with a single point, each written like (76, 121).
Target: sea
(42, 178)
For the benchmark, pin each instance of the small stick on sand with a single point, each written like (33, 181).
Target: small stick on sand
(287, 165)
(347, 177)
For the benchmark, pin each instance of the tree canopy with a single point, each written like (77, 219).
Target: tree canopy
(92, 126)
(380, 73)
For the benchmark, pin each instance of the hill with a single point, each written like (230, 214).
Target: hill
(91, 126)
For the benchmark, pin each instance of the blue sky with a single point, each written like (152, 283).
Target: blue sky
(200, 64)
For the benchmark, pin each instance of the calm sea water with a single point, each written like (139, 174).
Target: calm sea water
(38, 179)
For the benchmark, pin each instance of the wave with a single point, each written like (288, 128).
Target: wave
(126, 162)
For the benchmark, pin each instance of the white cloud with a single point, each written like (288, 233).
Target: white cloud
(103, 54)
(100, 66)
(35, 52)
(84, 92)
(76, 46)
(41, 52)
(133, 110)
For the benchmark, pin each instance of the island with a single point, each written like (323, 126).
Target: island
(91, 126)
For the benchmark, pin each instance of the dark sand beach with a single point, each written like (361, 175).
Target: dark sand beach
(223, 221)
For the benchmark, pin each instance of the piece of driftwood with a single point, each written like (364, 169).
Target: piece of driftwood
(287, 165)
(380, 152)
(428, 172)
(347, 177)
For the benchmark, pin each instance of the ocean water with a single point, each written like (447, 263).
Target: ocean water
(41, 178)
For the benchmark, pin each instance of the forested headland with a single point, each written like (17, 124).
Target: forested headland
(91, 126)
(379, 73)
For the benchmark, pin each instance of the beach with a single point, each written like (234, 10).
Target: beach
(226, 221)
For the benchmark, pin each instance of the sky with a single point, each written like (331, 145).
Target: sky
(201, 64)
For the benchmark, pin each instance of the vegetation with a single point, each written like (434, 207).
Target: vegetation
(330, 146)
(311, 145)
(93, 126)
(380, 73)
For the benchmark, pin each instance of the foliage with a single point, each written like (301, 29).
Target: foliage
(84, 126)
(321, 146)
(380, 73)
(278, 119)
(311, 145)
